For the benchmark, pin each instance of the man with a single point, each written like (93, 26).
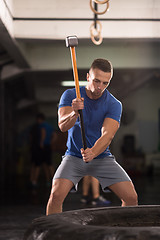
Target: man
(41, 136)
(102, 113)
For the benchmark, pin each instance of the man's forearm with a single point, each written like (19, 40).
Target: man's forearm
(67, 121)
(109, 129)
(101, 144)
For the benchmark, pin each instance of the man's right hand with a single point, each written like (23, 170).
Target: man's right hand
(68, 115)
(77, 104)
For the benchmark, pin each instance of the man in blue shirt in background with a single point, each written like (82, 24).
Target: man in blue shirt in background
(41, 152)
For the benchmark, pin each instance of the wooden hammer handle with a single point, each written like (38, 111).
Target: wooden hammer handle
(75, 72)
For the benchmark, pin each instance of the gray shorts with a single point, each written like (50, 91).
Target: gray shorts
(106, 170)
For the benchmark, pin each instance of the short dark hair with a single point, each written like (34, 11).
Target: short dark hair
(102, 64)
(40, 116)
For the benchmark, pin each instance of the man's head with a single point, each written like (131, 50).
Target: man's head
(102, 64)
(99, 77)
(40, 117)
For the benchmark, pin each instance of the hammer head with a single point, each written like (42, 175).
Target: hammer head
(71, 41)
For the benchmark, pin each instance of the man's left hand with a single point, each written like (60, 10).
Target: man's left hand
(87, 154)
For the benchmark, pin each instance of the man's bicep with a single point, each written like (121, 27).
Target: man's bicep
(63, 111)
(110, 126)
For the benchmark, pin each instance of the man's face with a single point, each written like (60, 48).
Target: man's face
(98, 81)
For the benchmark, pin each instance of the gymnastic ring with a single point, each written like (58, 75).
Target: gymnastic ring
(97, 42)
(96, 12)
(97, 35)
(101, 2)
(93, 28)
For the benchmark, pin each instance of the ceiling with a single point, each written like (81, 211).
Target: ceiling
(34, 66)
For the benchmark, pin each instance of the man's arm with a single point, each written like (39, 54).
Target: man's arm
(68, 115)
(109, 129)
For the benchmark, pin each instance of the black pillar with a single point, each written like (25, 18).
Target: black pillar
(2, 135)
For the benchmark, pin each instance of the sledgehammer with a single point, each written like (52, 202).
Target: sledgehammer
(72, 42)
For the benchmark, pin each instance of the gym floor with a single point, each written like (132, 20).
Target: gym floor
(20, 205)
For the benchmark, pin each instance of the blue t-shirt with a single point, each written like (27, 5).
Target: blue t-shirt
(94, 113)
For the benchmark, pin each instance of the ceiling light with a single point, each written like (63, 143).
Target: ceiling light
(72, 84)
